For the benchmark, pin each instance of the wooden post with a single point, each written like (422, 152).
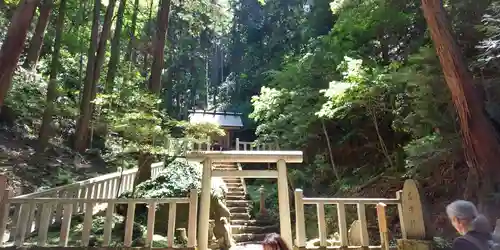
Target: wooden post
(237, 144)
(382, 226)
(172, 210)
(193, 215)
(399, 195)
(300, 224)
(322, 224)
(284, 204)
(66, 224)
(206, 186)
(342, 225)
(263, 211)
(4, 206)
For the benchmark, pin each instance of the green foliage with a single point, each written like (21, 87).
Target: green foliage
(132, 113)
(176, 180)
(441, 243)
(202, 130)
(27, 96)
(375, 83)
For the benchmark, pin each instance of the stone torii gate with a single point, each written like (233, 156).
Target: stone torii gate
(281, 158)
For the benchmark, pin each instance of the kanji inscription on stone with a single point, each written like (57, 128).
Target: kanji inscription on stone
(413, 217)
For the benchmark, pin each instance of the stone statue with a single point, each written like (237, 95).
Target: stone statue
(226, 241)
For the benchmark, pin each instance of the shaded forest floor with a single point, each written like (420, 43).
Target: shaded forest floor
(28, 172)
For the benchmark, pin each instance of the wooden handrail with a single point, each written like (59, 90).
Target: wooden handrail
(361, 233)
(95, 180)
(98, 200)
(254, 146)
(27, 206)
(351, 201)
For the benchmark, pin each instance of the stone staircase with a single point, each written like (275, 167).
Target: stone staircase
(245, 230)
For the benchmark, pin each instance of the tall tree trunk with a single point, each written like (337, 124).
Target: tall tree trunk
(100, 56)
(13, 45)
(115, 48)
(144, 171)
(86, 112)
(101, 49)
(84, 118)
(45, 130)
(147, 48)
(37, 40)
(159, 47)
(479, 139)
(131, 55)
(82, 21)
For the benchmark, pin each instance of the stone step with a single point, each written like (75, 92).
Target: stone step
(229, 181)
(251, 223)
(236, 203)
(237, 229)
(235, 190)
(240, 216)
(231, 189)
(235, 197)
(231, 178)
(234, 185)
(236, 193)
(238, 210)
(248, 237)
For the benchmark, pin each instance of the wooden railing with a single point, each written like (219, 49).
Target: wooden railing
(412, 219)
(340, 203)
(108, 186)
(188, 144)
(104, 186)
(64, 208)
(254, 146)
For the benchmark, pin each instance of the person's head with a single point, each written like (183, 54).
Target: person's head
(274, 242)
(465, 217)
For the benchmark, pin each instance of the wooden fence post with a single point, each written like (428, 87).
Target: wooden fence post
(193, 216)
(382, 226)
(284, 204)
(204, 217)
(300, 224)
(5, 194)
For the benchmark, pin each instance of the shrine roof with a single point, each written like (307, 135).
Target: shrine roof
(221, 118)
